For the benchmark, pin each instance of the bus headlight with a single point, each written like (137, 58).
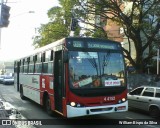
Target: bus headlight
(122, 100)
(73, 104)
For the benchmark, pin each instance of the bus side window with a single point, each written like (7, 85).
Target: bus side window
(45, 67)
(21, 69)
(50, 67)
(47, 62)
(31, 65)
(25, 68)
(38, 63)
(44, 62)
(38, 58)
(50, 63)
(47, 55)
(31, 68)
(38, 68)
(25, 65)
(52, 55)
(15, 67)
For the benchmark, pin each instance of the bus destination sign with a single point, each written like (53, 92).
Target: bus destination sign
(100, 45)
(93, 45)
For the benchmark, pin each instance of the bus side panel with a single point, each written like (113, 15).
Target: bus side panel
(31, 86)
(64, 103)
(46, 86)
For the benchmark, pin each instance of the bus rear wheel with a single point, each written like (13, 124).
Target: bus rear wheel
(48, 106)
(21, 93)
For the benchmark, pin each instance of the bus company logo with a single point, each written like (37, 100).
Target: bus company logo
(34, 80)
(6, 122)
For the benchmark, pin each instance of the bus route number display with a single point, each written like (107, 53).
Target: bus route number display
(78, 44)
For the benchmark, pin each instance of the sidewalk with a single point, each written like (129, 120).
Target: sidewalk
(4, 116)
(8, 113)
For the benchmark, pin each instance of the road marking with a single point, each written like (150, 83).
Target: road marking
(152, 126)
(129, 118)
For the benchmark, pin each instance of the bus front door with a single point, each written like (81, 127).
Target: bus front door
(58, 78)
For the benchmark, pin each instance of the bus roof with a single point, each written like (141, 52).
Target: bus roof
(62, 41)
(91, 38)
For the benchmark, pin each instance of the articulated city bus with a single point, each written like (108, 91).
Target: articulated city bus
(75, 76)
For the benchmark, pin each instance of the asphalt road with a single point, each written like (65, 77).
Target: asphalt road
(31, 110)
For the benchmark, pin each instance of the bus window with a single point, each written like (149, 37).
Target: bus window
(96, 69)
(50, 67)
(45, 67)
(52, 53)
(31, 68)
(15, 67)
(38, 68)
(21, 69)
(43, 57)
(25, 68)
(38, 58)
(48, 55)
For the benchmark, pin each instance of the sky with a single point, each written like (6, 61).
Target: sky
(16, 39)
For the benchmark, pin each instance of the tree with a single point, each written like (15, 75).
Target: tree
(141, 24)
(59, 25)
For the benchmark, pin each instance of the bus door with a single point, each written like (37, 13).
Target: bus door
(17, 75)
(58, 81)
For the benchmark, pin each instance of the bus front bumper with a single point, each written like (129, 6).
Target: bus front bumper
(83, 111)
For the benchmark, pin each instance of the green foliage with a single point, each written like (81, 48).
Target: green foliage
(59, 25)
(99, 33)
(141, 23)
(49, 33)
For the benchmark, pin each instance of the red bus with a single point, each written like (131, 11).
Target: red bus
(75, 76)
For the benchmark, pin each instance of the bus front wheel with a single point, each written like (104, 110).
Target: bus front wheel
(48, 106)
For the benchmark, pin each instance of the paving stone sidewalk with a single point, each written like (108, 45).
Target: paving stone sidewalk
(4, 116)
(8, 113)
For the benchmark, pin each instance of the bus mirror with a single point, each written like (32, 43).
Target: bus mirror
(65, 57)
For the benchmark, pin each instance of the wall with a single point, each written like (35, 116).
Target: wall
(136, 80)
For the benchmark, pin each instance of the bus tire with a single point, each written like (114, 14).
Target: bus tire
(48, 106)
(21, 93)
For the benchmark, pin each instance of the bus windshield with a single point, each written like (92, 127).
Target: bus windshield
(96, 69)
